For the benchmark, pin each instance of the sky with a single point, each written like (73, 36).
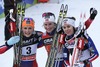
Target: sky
(75, 8)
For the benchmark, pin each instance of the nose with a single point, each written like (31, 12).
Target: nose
(47, 26)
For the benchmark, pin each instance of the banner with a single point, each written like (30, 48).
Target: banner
(28, 1)
(1, 6)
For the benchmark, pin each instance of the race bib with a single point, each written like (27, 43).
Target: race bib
(29, 50)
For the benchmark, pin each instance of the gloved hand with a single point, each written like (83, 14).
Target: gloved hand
(79, 64)
(84, 34)
(86, 62)
(93, 13)
(13, 40)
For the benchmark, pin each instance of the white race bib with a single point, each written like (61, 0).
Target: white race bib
(29, 50)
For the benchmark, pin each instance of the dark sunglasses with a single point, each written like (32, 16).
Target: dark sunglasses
(47, 14)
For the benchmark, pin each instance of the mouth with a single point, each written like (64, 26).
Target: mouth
(27, 33)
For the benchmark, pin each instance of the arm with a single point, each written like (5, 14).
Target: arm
(4, 48)
(39, 36)
(93, 13)
(12, 41)
(93, 50)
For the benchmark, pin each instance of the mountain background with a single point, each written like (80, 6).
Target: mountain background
(75, 8)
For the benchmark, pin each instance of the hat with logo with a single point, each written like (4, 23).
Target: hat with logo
(28, 22)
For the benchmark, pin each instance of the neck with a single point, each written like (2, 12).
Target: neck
(69, 37)
(52, 32)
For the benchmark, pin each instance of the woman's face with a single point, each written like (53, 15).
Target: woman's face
(27, 30)
(68, 29)
(49, 26)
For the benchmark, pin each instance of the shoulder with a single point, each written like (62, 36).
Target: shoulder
(39, 33)
(45, 35)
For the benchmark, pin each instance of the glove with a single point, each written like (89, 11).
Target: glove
(93, 13)
(84, 34)
(86, 62)
(13, 40)
(79, 63)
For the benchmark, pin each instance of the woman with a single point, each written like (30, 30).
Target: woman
(31, 41)
(50, 27)
(47, 37)
(89, 52)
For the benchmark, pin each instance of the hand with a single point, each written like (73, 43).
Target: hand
(93, 13)
(79, 64)
(86, 62)
(13, 40)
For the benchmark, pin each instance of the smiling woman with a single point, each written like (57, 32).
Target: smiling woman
(31, 41)
(50, 27)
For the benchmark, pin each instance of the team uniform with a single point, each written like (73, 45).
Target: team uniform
(89, 52)
(47, 39)
(29, 49)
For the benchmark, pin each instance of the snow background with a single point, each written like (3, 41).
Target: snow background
(75, 7)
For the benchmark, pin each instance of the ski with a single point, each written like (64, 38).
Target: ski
(79, 45)
(13, 29)
(79, 42)
(19, 18)
(55, 44)
(23, 5)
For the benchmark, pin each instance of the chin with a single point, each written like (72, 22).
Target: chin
(28, 35)
(49, 31)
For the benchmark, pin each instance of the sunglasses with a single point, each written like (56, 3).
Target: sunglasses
(28, 20)
(47, 14)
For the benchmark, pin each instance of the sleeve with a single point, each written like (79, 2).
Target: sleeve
(88, 23)
(93, 50)
(40, 43)
(39, 33)
(4, 48)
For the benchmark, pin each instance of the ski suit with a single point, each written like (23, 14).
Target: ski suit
(47, 39)
(89, 52)
(29, 48)
(4, 48)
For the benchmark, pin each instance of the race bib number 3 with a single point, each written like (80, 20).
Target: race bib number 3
(29, 50)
